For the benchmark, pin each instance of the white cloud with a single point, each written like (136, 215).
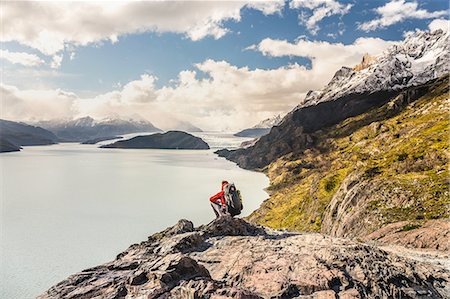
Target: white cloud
(320, 10)
(229, 98)
(439, 24)
(51, 26)
(56, 61)
(267, 7)
(21, 58)
(325, 62)
(397, 11)
(225, 97)
(36, 104)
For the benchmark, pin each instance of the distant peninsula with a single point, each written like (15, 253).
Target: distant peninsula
(253, 132)
(168, 140)
(99, 139)
(14, 135)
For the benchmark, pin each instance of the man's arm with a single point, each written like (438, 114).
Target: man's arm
(215, 198)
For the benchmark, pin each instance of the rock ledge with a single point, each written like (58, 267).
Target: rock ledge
(230, 258)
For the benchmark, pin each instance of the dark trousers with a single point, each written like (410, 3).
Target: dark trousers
(217, 208)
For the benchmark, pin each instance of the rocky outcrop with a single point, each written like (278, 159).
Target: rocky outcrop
(366, 61)
(168, 140)
(433, 234)
(352, 213)
(248, 143)
(230, 258)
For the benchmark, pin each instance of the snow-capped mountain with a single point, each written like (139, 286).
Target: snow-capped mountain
(268, 123)
(262, 128)
(85, 128)
(422, 56)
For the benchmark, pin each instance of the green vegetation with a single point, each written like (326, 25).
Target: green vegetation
(409, 227)
(399, 150)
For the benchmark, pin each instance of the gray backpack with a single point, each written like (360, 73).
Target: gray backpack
(233, 199)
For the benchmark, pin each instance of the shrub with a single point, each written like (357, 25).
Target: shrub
(409, 227)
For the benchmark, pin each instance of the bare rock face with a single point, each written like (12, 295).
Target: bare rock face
(433, 234)
(230, 258)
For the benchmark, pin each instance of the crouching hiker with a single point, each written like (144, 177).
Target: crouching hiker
(227, 202)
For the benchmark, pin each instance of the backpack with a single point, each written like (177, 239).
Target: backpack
(233, 199)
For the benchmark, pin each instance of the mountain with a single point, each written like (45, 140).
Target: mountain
(87, 128)
(184, 126)
(381, 175)
(13, 135)
(420, 58)
(423, 56)
(262, 128)
(230, 258)
(168, 140)
(366, 157)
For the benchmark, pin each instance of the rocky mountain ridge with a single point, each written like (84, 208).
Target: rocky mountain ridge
(260, 129)
(421, 57)
(268, 122)
(230, 258)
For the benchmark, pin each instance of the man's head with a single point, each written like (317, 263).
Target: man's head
(224, 182)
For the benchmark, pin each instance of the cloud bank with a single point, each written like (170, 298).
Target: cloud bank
(49, 26)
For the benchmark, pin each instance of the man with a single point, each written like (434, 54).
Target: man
(218, 202)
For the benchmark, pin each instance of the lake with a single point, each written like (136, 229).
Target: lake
(68, 207)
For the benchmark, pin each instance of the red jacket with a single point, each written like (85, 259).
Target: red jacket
(219, 198)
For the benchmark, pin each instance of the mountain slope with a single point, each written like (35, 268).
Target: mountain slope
(367, 156)
(262, 128)
(86, 128)
(385, 166)
(14, 134)
(6, 146)
(421, 57)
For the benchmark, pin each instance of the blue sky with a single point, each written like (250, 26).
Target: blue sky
(95, 66)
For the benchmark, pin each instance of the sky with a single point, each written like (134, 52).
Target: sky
(220, 65)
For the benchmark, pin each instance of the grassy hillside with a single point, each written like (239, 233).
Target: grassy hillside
(384, 166)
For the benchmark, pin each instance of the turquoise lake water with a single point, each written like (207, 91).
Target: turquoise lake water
(68, 207)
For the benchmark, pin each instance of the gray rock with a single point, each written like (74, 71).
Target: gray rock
(230, 258)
